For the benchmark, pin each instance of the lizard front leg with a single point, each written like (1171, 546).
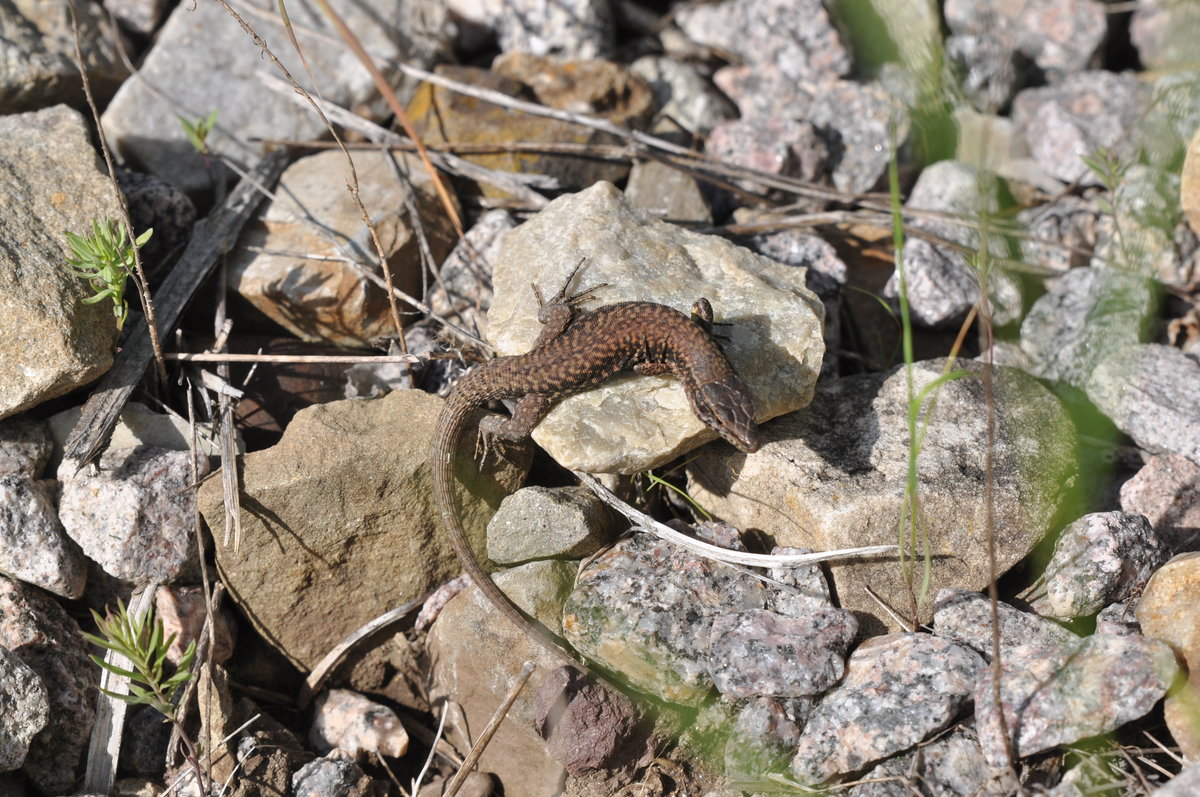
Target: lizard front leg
(558, 313)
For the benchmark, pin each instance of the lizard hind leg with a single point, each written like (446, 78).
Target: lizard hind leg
(497, 432)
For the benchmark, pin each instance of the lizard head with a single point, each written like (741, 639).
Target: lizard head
(725, 406)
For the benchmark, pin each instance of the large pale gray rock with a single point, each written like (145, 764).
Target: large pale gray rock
(26, 709)
(833, 476)
(134, 516)
(289, 264)
(44, 637)
(1145, 390)
(338, 520)
(50, 343)
(37, 54)
(34, 548)
(203, 61)
(635, 423)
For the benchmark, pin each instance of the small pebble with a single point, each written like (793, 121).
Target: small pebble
(1099, 559)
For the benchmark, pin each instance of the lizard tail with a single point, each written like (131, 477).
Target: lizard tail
(456, 413)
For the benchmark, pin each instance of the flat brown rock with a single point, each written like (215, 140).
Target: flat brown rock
(338, 523)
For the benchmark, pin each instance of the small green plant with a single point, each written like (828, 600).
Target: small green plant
(656, 480)
(197, 132)
(105, 259)
(141, 640)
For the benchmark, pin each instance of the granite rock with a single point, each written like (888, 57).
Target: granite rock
(135, 517)
(24, 447)
(356, 726)
(951, 764)
(1087, 315)
(966, 617)
(899, 689)
(798, 37)
(34, 548)
(1167, 491)
(36, 630)
(1060, 37)
(1099, 559)
(1164, 34)
(26, 709)
(1137, 387)
(682, 94)
(645, 608)
(1087, 111)
(1056, 697)
(757, 653)
(941, 285)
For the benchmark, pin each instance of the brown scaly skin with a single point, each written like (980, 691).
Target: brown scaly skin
(572, 354)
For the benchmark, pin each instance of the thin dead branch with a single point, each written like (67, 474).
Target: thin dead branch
(488, 732)
(140, 281)
(709, 551)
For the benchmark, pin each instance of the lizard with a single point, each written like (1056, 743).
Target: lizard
(575, 351)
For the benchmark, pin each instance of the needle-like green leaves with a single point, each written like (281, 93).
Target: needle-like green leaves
(105, 259)
(140, 639)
